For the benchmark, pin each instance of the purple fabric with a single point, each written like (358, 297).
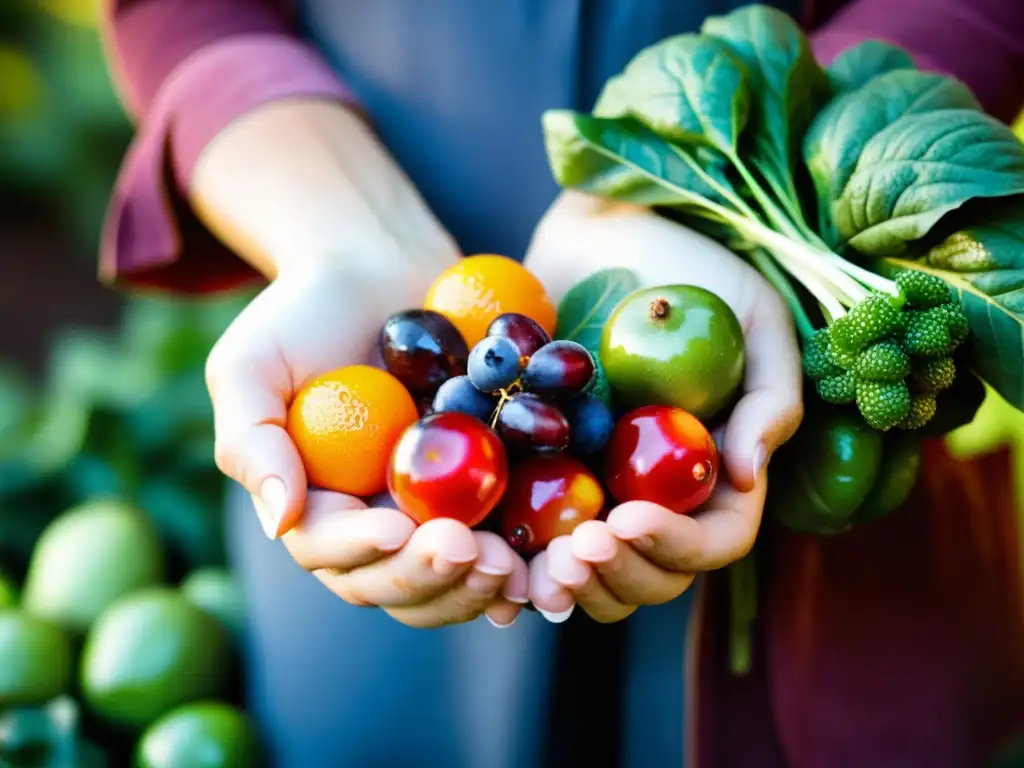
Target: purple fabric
(189, 68)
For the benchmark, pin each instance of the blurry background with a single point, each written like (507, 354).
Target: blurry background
(102, 395)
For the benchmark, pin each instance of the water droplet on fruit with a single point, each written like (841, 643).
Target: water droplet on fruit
(700, 472)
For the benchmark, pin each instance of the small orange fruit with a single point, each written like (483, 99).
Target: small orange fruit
(479, 288)
(345, 425)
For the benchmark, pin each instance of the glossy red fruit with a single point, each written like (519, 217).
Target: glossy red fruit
(528, 423)
(522, 331)
(548, 496)
(448, 465)
(662, 454)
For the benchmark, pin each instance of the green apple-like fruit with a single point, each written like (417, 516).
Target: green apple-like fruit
(674, 345)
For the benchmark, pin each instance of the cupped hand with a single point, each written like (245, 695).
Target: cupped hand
(302, 325)
(644, 554)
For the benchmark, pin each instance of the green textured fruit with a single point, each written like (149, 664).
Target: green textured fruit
(200, 735)
(818, 363)
(674, 345)
(883, 404)
(216, 592)
(35, 660)
(150, 652)
(957, 324)
(839, 390)
(922, 410)
(884, 361)
(823, 475)
(923, 290)
(843, 360)
(86, 559)
(936, 375)
(897, 477)
(870, 320)
(925, 333)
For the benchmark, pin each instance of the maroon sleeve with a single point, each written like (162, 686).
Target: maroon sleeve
(978, 41)
(186, 69)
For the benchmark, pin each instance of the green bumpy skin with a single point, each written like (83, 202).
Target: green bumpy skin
(923, 290)
(872, 319)
(925, 332)
(885, 361)
(931, 376)
(883, 404)
(840, 390)
(956, 322)
(842, 360)
(818, 363)
(922, 409)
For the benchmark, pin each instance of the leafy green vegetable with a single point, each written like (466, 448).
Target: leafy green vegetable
(984, 266)
(838, 135)
(859, 63)
(920, 168)
(787, 88)
(584, 310)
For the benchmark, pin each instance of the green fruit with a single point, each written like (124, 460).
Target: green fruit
(824, 474)
(150, 652)
(8, 593)
(216, 592)
(35, 660)
(89, 557)
(901, 464)
(674, 345)
(201, 735)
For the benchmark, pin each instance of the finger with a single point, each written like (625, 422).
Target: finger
(628, 575)
(772, 406)
(554, 601)
(438, 555)
(710, 539)
(503, 613)
(250, 386)
(470, 597)
(339, 532)
(591, 594)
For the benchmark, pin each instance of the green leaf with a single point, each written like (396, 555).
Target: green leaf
(920, 168)
(620, 159)
(586, 307)
(839, 134)
(688, 88)
(787, 88)
(859, 63)
(984, 265)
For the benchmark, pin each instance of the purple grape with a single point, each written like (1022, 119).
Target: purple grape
(590, 423)
(422, 349)
(494, 364)
(460, 395)
(559, 368)
(528, 423)
(522, 331)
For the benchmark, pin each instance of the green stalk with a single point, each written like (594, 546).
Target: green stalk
(767, 267)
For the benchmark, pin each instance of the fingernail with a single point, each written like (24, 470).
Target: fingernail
(492, 570)
(517, 599)
(389, 543)
(642, 543)
(760, 456)
(557, 618)
(443, 567)
(568, 571)
(270, 503)
(481, 582)
(496, 625)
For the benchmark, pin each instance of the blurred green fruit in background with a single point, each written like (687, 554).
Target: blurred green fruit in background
(35, 660)
(150, 652)
(89, 557)
(202, 735)
(8, 593)
(216, 592)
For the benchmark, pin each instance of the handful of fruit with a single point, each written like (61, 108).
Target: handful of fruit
(482, 416)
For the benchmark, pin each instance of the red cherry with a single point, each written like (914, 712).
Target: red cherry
(548, 496)
(661, 454)
(448, 465)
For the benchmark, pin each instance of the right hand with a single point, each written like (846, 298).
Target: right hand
(308, 322)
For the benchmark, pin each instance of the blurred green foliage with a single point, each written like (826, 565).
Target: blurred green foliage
(123, 412)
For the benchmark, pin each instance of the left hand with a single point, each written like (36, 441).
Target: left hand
(645, 554)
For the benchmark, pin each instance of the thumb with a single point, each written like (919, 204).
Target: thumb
(250, 388)
(772, 407)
